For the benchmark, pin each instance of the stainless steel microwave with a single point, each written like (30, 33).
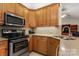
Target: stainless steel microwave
(13, 20)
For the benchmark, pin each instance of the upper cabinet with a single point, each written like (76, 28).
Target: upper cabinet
(15, 8)
(19, 9)
(32, 18)
(47, 16)
(26, 17)
(3, 6)
(54, 15)
(1, 17)
(43, 17)
(10, 7)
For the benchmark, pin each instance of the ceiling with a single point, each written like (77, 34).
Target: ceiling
(70, 9)
(35, 5)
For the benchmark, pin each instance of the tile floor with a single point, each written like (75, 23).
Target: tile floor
(35, 54)
(32, 54)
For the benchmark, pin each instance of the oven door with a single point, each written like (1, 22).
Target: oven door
(18, 48)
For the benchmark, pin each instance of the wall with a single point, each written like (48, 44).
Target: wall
(70, 20)
(48, 30)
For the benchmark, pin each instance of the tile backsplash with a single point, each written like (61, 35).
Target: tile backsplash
(48, 30)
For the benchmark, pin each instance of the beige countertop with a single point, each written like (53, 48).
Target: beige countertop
(1, 39)
(50, 35)
(47, 35)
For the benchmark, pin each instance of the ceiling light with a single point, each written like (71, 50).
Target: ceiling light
(64, 15)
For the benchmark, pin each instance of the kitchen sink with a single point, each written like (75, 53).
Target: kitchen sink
(70, 38)
(59, 37)
(65, 37)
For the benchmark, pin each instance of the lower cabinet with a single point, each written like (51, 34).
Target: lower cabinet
(3, 51)
(45, 45)
(35, 43)
(3, 48)
(40, 44)
(53, 47)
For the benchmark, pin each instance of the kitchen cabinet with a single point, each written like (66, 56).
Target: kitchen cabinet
(3, 48)
(16, 9)
(54, 10)
(26, 17)
(31, 44)
(47, 16)
(53, 46)
(2, 10)
(19, 9)
(43, 17)
(10, 7)
(35, 43)
(3, 51)
(45, 45)
(32, 18)
(3, 6)
(39, 22)
(1, 17)
(40, 44)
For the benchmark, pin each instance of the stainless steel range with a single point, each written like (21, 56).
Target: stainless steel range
(18, 46)
(17, 41)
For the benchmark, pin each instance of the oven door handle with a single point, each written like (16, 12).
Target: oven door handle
(11, 48)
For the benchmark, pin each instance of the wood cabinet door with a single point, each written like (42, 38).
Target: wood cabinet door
(32, 19)
(54, 14)
(53, 47)
(1, 17)
(35, 43)
(42, 45)
(31, 44)
(39, 18)
(44, 17)
(3, 51)
(3, 48)
(1, 6)
(19, 10)
(48, 16)
(26, 17)
(10, 7)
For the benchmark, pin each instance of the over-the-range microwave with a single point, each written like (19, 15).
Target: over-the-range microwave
(13, 20)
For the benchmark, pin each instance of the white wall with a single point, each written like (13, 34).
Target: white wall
(70, 20)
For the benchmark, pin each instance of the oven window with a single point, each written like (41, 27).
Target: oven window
(20, 45)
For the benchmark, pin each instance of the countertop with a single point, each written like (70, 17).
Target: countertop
(47, 35)
(57, 37)
(2, 39)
